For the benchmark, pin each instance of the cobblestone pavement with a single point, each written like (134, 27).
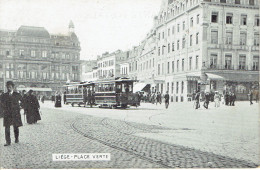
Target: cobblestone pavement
(67, 130)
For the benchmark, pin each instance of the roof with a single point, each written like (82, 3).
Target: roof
(31, 31)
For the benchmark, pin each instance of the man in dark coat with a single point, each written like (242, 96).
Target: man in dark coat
(58, 100)
(11, 107)
(32, 108)
(197, 100)
(207, 99)
(167, 98)
(250, 95)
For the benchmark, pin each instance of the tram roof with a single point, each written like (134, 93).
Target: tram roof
(115, 80)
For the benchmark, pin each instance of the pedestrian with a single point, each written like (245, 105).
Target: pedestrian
(207, 99)
(226, 96)
(197, 99)
(256, 96)
(1, 109)
(57, 100)
(216, 99)
(33, 107)
(11, 103)
(52, 98)
(42, 98)
(65, 96)
(89, 98)
(231, 98)
(250, 95)
(157, 98)
(166, 97)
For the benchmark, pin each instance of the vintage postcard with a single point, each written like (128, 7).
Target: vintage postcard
(129, 84)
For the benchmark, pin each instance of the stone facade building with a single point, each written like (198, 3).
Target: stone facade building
(33, 58)
(211, 45)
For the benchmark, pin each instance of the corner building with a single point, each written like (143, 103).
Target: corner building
(209, 45)
(35, 59)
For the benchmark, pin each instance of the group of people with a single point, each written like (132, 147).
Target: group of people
(11, 103)
(155, 98)
(57, 99)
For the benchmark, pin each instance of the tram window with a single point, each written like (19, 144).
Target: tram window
(130, 88)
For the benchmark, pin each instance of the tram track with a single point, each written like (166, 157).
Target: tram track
(114, 134)
(72, 125)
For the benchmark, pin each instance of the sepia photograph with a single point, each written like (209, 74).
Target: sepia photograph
(123, 84)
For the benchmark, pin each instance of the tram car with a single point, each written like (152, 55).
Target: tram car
(115, 93)
(81, 94)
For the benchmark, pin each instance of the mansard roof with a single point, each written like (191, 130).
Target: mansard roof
(31, 31)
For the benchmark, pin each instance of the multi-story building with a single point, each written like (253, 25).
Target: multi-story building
(87, 70)
(33, 58)
(211, 42)
(108, 65)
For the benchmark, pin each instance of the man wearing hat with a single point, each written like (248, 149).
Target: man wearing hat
(11, 102)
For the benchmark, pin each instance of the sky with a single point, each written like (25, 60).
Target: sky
(101, 25)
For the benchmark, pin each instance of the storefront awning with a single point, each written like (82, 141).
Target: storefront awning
(214, 76)
(34, 89)
(193, 76)
(240, 77)
(139, 87)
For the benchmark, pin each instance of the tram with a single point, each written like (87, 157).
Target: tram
(115, 93)
(81, 94)
(111, 93)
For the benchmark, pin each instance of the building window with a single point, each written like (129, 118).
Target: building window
(159, 69)
(197, 38)
(169, 47)
(214, 17)
(172, 87)
(229, 18)
(229, 36)
(177, 65)
(168, 67)
(172, 66)
(182, 87)
(177, 87)
(182, 64)
(178, 44)
(168, 86)
(190, 40)
(214, 37)
(162, 49)
(198, 19)
(190, 63)
(159, 36)
(153, 62)
(243, 19)
(251, 2)
(178, 28)
(242, 62)
(183, 25)
(228, 61)
(197, 62)
(159, 51)
(32, 53)
(213, 60)
(237, 1)
(162, 35)
(21, 52)
(44, 54)
(256, 39)
(242, 38)
(183, 42)
(173, 46)
(223, 1)
(169, 31)
(191, 21)
(172, 30)
(256, 63)
(256, 20)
